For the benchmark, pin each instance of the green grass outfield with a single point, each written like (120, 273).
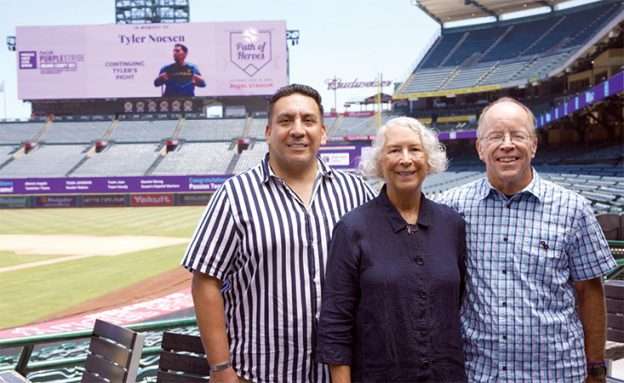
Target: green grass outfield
(30, 294)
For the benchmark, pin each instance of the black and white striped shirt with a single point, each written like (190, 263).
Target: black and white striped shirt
(258, 236)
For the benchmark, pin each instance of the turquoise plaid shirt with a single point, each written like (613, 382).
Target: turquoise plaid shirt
(519, 320)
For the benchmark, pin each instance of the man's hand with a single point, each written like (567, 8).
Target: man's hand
(197, 79)
(226, 376)
(164, 76)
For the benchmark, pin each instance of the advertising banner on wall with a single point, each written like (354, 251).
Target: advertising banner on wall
(105, 200)
(110, 185)
(55, 201)
(151, 60)
(151, 200)
(341, 156)
(13, 202)
(193, 199)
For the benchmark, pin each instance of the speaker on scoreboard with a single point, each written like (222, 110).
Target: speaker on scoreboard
(242, 144)
(100, 145)
(28, 146)
(171, 145)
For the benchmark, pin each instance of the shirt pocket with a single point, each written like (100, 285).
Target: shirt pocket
(543, 259)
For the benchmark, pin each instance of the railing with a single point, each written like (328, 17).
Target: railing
(617, 249)
(27, 344)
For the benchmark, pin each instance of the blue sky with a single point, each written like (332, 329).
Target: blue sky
(347, 38)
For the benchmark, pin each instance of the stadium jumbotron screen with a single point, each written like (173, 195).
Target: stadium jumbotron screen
(122, 61)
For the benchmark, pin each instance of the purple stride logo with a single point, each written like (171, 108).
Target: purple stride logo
(250, 50)
(28, 60)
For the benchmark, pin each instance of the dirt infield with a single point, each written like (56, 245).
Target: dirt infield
(171, 281)
(88, 245)
(71, 247)
(65, 248)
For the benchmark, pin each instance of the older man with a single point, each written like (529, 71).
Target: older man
(266, 232)
(534, 308)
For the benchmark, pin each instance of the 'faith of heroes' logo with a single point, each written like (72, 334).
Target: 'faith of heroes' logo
(250, 50)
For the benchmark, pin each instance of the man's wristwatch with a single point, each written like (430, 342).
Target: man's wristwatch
(224, 366)
(597, 370)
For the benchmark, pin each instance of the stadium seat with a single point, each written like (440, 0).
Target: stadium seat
(182, 360)
(508, 52)
(610, 224)
(114, 354)
(614, 292)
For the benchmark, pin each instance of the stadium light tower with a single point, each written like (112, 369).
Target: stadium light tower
(292, 36)
(11, 43)
(151, 11)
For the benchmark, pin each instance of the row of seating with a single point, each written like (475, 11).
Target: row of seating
(533, 35)
(605, 191)
(114, 352)
(114, 356)
(509, 51)
(158, 130)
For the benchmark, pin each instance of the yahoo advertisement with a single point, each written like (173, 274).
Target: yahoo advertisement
(151, 60)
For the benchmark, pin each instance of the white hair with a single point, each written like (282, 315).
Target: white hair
(435, 151)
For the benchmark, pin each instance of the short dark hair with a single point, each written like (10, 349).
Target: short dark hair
(288, 90)
(183, 47)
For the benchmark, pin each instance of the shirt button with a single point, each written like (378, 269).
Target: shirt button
(419, 261)
(504, 337)
(504, 304)
(504, 368)
(504, 271)
(505, 239)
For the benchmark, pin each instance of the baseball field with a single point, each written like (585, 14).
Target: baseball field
(52, 261)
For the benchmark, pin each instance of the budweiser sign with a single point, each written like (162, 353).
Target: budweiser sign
(336, 83)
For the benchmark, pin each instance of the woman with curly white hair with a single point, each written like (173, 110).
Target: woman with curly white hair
(394, 278)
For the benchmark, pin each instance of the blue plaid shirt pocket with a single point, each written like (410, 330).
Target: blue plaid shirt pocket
(541, 255)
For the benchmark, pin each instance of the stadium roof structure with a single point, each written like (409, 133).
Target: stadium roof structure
(444, 11)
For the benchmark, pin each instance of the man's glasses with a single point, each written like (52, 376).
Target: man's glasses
(498, 138)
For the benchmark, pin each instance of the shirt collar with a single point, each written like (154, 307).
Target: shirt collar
(267, 172)
(534, 188)
(394, 217)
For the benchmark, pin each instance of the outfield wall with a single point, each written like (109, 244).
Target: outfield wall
(143, 190)
(108, 185)
(108, 191)
(104, 200)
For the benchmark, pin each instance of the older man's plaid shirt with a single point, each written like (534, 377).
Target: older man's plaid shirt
(524, 253)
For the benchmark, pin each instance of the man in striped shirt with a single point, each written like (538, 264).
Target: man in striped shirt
(534, 308)
(266, 232)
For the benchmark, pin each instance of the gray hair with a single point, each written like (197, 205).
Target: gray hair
(530, 115)
(435, 151)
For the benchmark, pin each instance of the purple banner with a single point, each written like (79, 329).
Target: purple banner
(459, 135)
(104, 185)
(614, 85)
